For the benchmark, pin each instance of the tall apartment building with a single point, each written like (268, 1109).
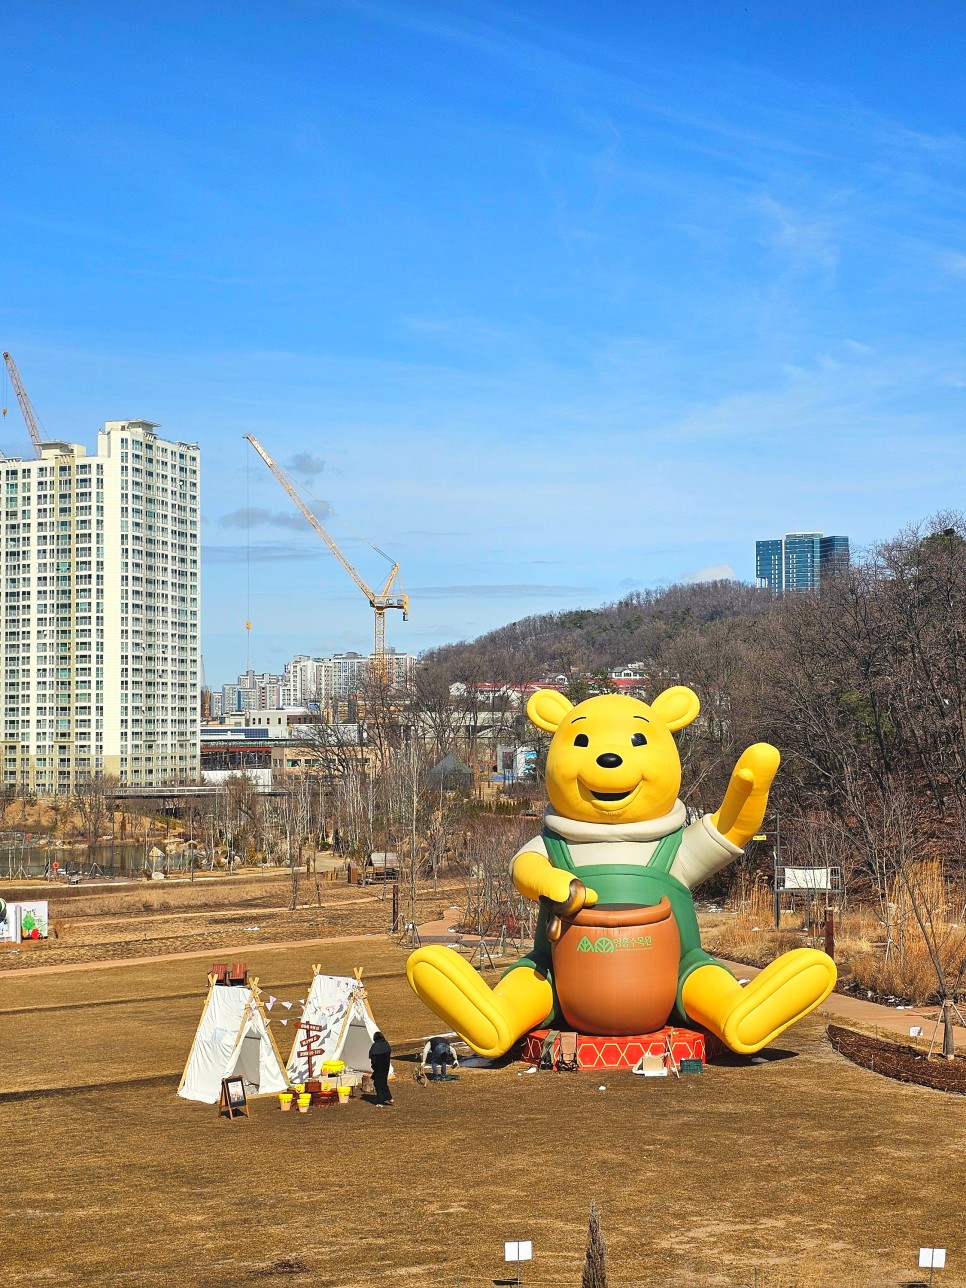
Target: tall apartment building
(252, 693)
(309, 680)
(799, 560)
(101, 576)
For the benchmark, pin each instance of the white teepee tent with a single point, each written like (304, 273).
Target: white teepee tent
(339, 1006)
(232, 1040)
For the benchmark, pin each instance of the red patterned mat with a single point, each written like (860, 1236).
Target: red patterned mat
(622, 1052)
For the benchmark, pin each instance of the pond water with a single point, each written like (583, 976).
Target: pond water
(19, 861)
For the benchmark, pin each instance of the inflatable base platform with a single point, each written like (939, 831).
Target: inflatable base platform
(598, 1053)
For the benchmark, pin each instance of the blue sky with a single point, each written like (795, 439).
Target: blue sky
(549, 307)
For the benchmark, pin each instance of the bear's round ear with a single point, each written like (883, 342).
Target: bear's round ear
(676, 707)
(547, 708)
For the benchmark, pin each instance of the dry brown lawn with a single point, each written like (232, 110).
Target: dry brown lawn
(109, 921)
(803, 1168)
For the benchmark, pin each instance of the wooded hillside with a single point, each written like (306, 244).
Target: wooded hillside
(862, 687)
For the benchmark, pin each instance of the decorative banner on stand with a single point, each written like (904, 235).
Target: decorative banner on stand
(20, 921)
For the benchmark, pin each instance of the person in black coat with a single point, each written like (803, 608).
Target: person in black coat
(379, 1054)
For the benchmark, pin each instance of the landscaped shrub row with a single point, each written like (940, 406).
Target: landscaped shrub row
(899, 1061)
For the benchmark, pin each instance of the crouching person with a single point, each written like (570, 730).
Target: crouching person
(440, 1055)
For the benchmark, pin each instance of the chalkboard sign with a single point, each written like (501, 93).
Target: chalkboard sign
(233, 1098)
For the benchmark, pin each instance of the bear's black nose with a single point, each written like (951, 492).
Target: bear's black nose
(609, 760)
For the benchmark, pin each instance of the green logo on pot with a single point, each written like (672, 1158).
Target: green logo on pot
(604, 944)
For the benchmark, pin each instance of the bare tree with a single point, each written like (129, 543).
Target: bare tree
(595, 1269)
(899, 835)
(290, 822)
(93, 803)
(244, 821)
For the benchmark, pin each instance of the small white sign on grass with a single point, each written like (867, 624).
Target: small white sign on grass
(932, 1258)
(518, 1250)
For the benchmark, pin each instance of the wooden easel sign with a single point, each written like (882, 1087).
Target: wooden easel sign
(233, 1098)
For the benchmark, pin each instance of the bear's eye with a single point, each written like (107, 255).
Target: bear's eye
(581, 740)
(638, 740)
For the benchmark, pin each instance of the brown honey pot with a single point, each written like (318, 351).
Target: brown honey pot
(615, 968)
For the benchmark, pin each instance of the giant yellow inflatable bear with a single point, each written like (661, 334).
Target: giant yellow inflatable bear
(615, 842)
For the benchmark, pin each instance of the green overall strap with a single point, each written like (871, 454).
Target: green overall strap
(558, 851)
(663, 857)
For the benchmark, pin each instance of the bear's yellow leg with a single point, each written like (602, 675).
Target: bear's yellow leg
(746, 1019)
(489, 1020)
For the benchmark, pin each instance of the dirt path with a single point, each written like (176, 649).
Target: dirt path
(184, 956)
(211, 913)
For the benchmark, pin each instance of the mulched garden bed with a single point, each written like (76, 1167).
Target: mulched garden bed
(899, 1061)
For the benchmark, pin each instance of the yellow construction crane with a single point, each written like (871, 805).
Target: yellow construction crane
(29, 415)
(379, 600)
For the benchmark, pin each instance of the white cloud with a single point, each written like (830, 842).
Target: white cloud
(714, 572)
(806, 242)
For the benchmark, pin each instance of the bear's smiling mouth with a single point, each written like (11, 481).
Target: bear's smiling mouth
(610, 796)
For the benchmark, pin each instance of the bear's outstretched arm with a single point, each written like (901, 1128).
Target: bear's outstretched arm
(536, 878)
(746, 799)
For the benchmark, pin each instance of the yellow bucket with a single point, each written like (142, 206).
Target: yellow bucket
(344, 1094)
(285, 1101)
(333, 1066)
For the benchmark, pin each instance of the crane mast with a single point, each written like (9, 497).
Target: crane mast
(380, 600)
(29, 415)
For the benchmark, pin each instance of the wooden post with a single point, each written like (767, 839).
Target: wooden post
(949, 1037)
(830, 933)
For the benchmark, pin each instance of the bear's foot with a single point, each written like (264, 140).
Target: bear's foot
(747, 1019)
(450, 987)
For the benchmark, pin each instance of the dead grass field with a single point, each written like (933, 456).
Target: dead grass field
(141, 919)
(803, 1168)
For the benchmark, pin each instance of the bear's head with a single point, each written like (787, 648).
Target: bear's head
(612, 759)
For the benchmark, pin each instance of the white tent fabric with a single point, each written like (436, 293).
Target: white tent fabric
(232, 1040)
(337, 1003)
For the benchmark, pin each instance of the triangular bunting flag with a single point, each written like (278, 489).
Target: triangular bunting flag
(288, 1005)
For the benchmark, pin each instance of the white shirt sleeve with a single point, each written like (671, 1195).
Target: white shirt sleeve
(703, 852)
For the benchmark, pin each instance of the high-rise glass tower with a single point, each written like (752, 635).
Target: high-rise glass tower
(100, 559)
(799, 560)
(802, 560)
(769, 563)
(833, 554)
